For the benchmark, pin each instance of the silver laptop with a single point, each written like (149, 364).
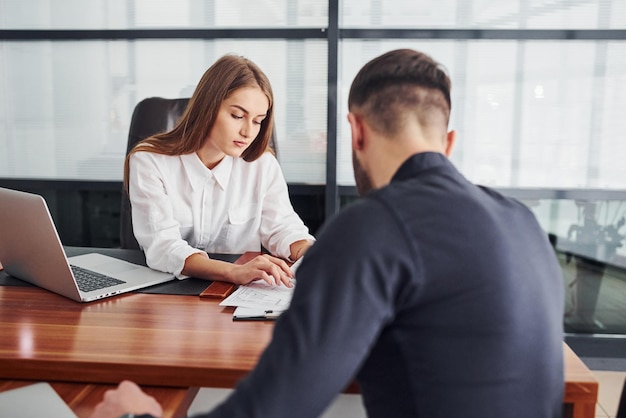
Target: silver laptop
(30, 249)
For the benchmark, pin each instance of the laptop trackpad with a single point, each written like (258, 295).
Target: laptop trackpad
(114, 268)
(102, 264)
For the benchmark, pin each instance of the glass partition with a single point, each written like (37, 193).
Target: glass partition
(139, 14)
(527, 113)
(501, 14)
(589, 237)
(65, 107)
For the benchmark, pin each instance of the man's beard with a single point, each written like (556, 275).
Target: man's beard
(363, 180)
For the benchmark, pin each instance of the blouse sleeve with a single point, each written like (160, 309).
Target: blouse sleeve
(280, 224)
(154, 225)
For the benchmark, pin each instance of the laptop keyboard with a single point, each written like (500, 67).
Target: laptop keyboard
(88, 280)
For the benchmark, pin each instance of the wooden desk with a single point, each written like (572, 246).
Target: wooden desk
(182, 340)
(179, 341)
(581, 387)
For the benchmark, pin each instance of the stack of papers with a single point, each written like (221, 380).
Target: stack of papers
(259, 300)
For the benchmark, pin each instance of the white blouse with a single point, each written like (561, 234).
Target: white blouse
(180, 207)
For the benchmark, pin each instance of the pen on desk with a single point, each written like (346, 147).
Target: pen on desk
(272, 314)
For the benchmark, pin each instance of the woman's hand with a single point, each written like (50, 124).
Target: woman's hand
(272, 270)
(298, 248)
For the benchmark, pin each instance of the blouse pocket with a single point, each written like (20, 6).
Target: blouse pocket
(241, 215)
(241, 227)
(239, 230)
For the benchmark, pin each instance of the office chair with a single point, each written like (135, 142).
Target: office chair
(151, 116)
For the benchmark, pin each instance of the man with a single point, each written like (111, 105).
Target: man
(442, 298)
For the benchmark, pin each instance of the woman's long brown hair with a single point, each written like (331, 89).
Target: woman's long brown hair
(226, 75)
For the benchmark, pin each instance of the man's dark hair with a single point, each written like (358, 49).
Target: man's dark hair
(401, 80)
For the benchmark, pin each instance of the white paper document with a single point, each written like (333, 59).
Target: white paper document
(260, 295)
(259, 300)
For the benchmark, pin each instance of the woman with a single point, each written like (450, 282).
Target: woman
(210, 184)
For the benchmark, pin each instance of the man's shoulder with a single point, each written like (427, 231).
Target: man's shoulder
(363, 217)
(365, 205)
(509, 201)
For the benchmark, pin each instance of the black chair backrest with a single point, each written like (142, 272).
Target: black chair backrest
(151, 116)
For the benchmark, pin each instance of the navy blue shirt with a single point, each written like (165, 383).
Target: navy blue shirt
(442, 299)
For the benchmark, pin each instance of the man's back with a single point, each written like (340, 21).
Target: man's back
(444, 299)
(477, 329)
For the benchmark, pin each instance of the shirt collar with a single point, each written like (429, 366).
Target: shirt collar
(418, 163)
(222, 171)
(199, 174)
